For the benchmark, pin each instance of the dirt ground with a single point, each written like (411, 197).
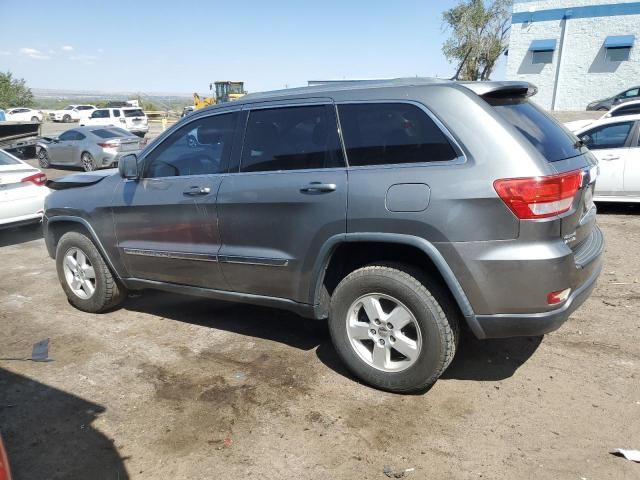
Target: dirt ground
(184, 388)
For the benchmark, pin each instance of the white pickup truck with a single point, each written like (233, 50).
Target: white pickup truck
(132, 119)
(71, 113)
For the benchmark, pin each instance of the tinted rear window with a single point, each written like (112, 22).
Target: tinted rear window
(107, 133)
(6, 159)
(543, 132)
(391, 133)
(133, 113)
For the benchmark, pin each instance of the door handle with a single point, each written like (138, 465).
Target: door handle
(610, 157)
(195, 190)
(318, 187)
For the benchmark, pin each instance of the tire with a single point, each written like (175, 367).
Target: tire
(43, 158)
(35, 119)
(88, 162)
(107, 292)
(429, 339)
(66, 119)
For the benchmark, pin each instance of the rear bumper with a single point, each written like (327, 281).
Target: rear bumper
(531, 324)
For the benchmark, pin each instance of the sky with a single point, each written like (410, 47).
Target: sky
(183, 45)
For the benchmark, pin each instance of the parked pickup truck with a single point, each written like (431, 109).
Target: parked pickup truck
(71, 113)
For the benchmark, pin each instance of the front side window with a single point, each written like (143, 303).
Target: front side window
(392, 133)
(100, 114)
(607, 136)
(201, 147)
(634, 92)
(71, 135)
(291, 138)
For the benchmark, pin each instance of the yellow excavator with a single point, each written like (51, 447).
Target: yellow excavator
(225, 91)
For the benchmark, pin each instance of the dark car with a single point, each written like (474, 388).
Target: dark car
(399, 210)
(606, 103)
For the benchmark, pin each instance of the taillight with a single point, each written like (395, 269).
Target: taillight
(558, 296)
(142, 143)
(539, 197)
(38, 179)
(107, 145)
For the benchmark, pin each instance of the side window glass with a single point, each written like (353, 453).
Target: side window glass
(68, 135)
(628, 110)
(201, 147)
(607, 136)
(291, 138)
(391, 133)
(116, 113)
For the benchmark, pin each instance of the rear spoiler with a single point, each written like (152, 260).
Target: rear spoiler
(501, 89)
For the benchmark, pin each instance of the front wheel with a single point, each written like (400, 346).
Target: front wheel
(35, 119)
(43, 158)
(390, 331)
(66, 119)
(88, 163)
(85, 277)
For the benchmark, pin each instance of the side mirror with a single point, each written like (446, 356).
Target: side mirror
(128, 166)
(586, 140)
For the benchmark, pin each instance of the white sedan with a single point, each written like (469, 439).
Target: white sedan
(23, 114)
(615, 142)
(22, 192)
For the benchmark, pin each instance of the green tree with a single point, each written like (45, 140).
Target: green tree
(14, 92)
(478, 36)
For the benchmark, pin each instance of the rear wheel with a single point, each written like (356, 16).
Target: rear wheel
(390, 330)
(88, 162)
(85, 277)
(43, 158)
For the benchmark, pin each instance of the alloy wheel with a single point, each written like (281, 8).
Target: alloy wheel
(79, 273)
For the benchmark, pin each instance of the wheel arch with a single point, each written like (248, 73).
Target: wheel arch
(345, 253)
(57, 226)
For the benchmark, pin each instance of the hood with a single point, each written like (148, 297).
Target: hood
(80, 179)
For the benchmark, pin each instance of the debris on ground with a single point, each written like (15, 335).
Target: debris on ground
(391, 472)
(40, 352)
(633, 455)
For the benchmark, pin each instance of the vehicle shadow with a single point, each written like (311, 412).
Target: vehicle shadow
(48, 434)
(24, 234)
(481, 360)
(611, 208)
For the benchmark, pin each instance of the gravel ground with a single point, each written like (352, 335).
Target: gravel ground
(185, 388)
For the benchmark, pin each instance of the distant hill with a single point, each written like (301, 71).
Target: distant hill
(54, 98)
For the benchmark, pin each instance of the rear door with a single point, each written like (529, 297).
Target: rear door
(286, 199)
(610, 145)
(166, 223)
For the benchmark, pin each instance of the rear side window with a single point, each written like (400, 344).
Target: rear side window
(291, 138)
(391, 133)
(133, 113)
(543, 132)
(607, 136)
(6, 159)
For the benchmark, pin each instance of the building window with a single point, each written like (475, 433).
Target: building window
(541, 57)
(618, 47)
(620, 54)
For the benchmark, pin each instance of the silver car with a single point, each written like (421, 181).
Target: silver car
(88, 147)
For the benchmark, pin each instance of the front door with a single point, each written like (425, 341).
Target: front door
(609, 143)
(287, 199)
(632, 166)
(62, 151)
(166, 222)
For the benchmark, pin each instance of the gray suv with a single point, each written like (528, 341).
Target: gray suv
(402, 211)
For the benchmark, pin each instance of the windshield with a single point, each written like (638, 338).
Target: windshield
(134, 113)
(548, 136)
(70, 107)
(6, 159)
